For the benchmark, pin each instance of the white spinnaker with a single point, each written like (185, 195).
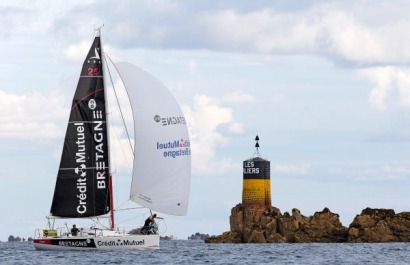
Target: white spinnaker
(160, 181)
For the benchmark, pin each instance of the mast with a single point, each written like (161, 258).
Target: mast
(110, 184)
(112, 220)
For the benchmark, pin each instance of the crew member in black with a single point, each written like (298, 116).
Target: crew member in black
(149, 220)
(74, 231)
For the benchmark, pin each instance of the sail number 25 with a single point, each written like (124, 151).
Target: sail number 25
(93, 71)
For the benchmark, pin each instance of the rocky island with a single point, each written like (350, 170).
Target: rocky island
(255, 220)
(271, 226)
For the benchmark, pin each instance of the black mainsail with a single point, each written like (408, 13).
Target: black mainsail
(82, 187)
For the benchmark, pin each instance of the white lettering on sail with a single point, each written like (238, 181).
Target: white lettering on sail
(99, 152)
(80, 170)
(80, 154)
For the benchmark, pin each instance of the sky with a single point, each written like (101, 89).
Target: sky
(325, 85)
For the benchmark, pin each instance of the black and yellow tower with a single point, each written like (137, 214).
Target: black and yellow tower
(256, 185)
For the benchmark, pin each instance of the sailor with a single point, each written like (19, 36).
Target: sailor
(74, 231)
(150, 220)
(147, 225)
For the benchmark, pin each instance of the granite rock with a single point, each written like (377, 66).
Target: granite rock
(271, 226)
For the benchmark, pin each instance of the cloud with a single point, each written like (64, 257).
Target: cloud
(392, 86)
(121, 150)
(236, 127)
(13, 17)
(330, 30)
(325, 29)
(387, 172)
(291, 169)
(238, 97)
(77, 52)
(205, 118)
(353, 32)
(192, 66)
(31, 116)
(17, 18)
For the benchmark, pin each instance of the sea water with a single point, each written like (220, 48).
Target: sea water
(197, 252)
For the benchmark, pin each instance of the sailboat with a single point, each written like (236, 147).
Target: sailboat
(84, 187)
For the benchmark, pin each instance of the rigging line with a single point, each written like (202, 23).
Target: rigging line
(114, 130)
(126, 209)
(86, 96)
(166, 228)
(132, 218)
(123, 204)
(123, 152)
(118, 102)
(97, 221)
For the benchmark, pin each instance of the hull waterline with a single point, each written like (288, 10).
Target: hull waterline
(98, 243)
